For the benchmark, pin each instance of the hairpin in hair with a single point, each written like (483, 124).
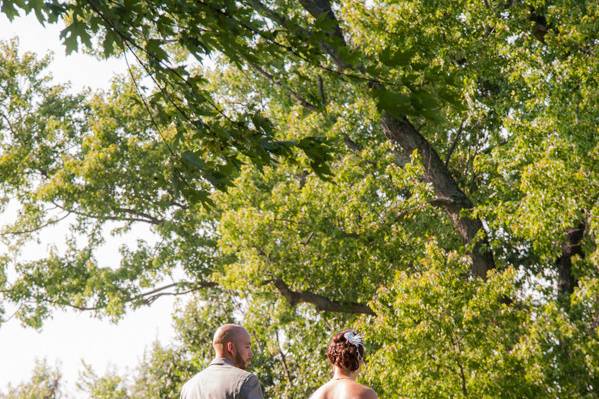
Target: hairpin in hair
(353, 338)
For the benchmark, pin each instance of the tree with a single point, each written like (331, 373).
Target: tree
(46, 383)
(343, 155)
(108, 386)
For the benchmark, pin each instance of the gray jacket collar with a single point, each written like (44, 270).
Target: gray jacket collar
(221, 361)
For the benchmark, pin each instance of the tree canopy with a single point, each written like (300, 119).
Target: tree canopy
(426, 171)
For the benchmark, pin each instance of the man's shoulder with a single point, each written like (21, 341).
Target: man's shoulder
(226, 371)
(250, 387)
(193, 381)
(248, 376)
(240, 374)
(224, 368)
(223, 376)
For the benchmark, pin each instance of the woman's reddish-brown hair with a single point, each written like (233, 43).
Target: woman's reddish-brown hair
(343, 353)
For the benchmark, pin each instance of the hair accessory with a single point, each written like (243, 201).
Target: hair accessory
(353, 338)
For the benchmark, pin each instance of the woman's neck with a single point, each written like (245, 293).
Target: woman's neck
(341, 374)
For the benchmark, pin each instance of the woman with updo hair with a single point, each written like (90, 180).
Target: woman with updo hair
(346, 355)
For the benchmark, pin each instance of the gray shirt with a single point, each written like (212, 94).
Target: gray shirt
(222, 380)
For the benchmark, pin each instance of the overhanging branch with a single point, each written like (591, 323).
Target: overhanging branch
(321, 302)
(148, 297)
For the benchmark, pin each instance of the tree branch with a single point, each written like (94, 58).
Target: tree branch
(305, 103)
(48, 222)
(350, 144)
(278, 18)
(454, 144)
(450, 196)
(321, 302)
(283, 358)
(148, 297)
(571, 247)
(141, 217)
(323, 97)
(321, 10)
(401, 132)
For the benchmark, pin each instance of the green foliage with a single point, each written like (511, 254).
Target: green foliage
(324, 248)
(108, 386)
(288, 161)
(147, 30)
(46, 382)
(161, 373)
(450, 336)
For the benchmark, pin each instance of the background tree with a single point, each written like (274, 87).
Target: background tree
(424, 170)
(46, 382)
(108, 386)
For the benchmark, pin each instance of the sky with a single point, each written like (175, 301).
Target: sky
(72, 337)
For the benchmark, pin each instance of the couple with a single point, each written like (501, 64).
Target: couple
(226, 377)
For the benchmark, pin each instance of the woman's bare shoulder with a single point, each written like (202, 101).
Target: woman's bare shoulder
(363, 392)
(345, 389)
(320, 392)
(369, 394)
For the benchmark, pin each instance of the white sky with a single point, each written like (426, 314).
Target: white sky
(71, 337)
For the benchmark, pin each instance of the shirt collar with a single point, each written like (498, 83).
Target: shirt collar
(219, 361)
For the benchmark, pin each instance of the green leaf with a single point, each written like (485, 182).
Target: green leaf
(451, 96)
(396, 58)
(108, 44)
(396, 103)
(73, 33)
(318, 150)
(8, 8)
(193, 161)
(155, 50)
(424, 100)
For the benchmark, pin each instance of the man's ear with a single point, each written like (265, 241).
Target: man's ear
(230, 346)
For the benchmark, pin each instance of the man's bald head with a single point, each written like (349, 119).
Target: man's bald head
(232, 341)
(228, 333)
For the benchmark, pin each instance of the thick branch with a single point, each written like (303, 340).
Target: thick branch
(401, 132)
(450, 196)
(571, 247)
(321, 302)
(321, 11)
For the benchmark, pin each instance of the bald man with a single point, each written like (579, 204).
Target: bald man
(226, 376)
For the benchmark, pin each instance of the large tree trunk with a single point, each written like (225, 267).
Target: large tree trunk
(449, 195)
(402, 133)
(572, 246)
